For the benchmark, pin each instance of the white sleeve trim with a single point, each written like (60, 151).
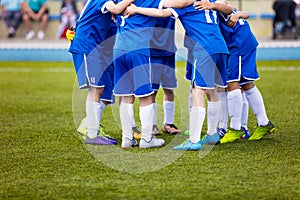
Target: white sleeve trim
(174, 13)
(103, 9)
(161, 4)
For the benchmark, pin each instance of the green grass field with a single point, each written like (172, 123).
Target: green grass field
(42, 156)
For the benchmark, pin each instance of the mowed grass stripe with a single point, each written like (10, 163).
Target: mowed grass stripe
(42, 156)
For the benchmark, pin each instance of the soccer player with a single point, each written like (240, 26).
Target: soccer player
(210, 54)
(91, 50)
(132, 75)
(241, 72)
(163, 74)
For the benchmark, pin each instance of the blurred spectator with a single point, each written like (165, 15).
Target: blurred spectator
(35, 10)
(84, 2)
(68, 17)
(11, 13)
(285, 18)
(297, 8)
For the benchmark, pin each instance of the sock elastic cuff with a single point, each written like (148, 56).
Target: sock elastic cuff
(234, 93)
(222, 95)
(168, 103)
(198, 109)
(252, 90)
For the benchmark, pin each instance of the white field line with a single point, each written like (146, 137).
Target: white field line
(47, 70)
(26, 69)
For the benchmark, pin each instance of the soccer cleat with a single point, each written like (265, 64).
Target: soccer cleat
(128, 143)
(98, 140)
(155, 130)
(231, 135)
(261, 131)
(221, 132)
(187, 145)
(83, 129)
(247, 133)
(211, 139)
(136, 133)
(170, 129)
(154, 142)
(103, 134)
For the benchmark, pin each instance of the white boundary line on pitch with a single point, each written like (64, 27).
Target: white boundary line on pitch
(55, 70)
(26, 69)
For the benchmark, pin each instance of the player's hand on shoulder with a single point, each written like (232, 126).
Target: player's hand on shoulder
(70, 34)
(203, 5)
(130, 10)
(233, 20)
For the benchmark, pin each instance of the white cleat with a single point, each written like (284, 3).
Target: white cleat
(128, 143)
(154, 142)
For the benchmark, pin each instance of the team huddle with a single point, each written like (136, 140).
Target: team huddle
(126, 48)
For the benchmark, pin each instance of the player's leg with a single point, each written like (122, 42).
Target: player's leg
(213, 116)
(124, 89)
(245, 113)
(156, 76)
(92, 74)
(169, 83)
(217, 66)
(155, 130)
(143, 90)
(126, 116)
(223, 115)
(196, 119)
(146, 117)
(135, 131)
(254, 97)
(203, 78)
(235, 100)
(169, 112)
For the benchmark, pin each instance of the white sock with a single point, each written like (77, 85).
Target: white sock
(146, 117)
(197, 116)
(93, 118)
(102, 108)
(190, 101)
(235, 103)
(154, 113)
(256, 103)
(126, 111)
(223, 123)
(213, 112)
(245, 111)
(131, 114)
(169, 111)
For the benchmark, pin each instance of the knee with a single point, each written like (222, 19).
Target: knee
(248, 86)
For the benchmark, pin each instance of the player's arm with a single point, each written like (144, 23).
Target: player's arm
(119, 7)
(234, 18)
(206, 5)
(177, 3)
(152, 12)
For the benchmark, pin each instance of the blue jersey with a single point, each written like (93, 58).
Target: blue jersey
(135, 32)
(163, 40)
(202, 26)
(92, 27)
(239, 39)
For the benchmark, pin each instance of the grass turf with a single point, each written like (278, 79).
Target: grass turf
(42, 156)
